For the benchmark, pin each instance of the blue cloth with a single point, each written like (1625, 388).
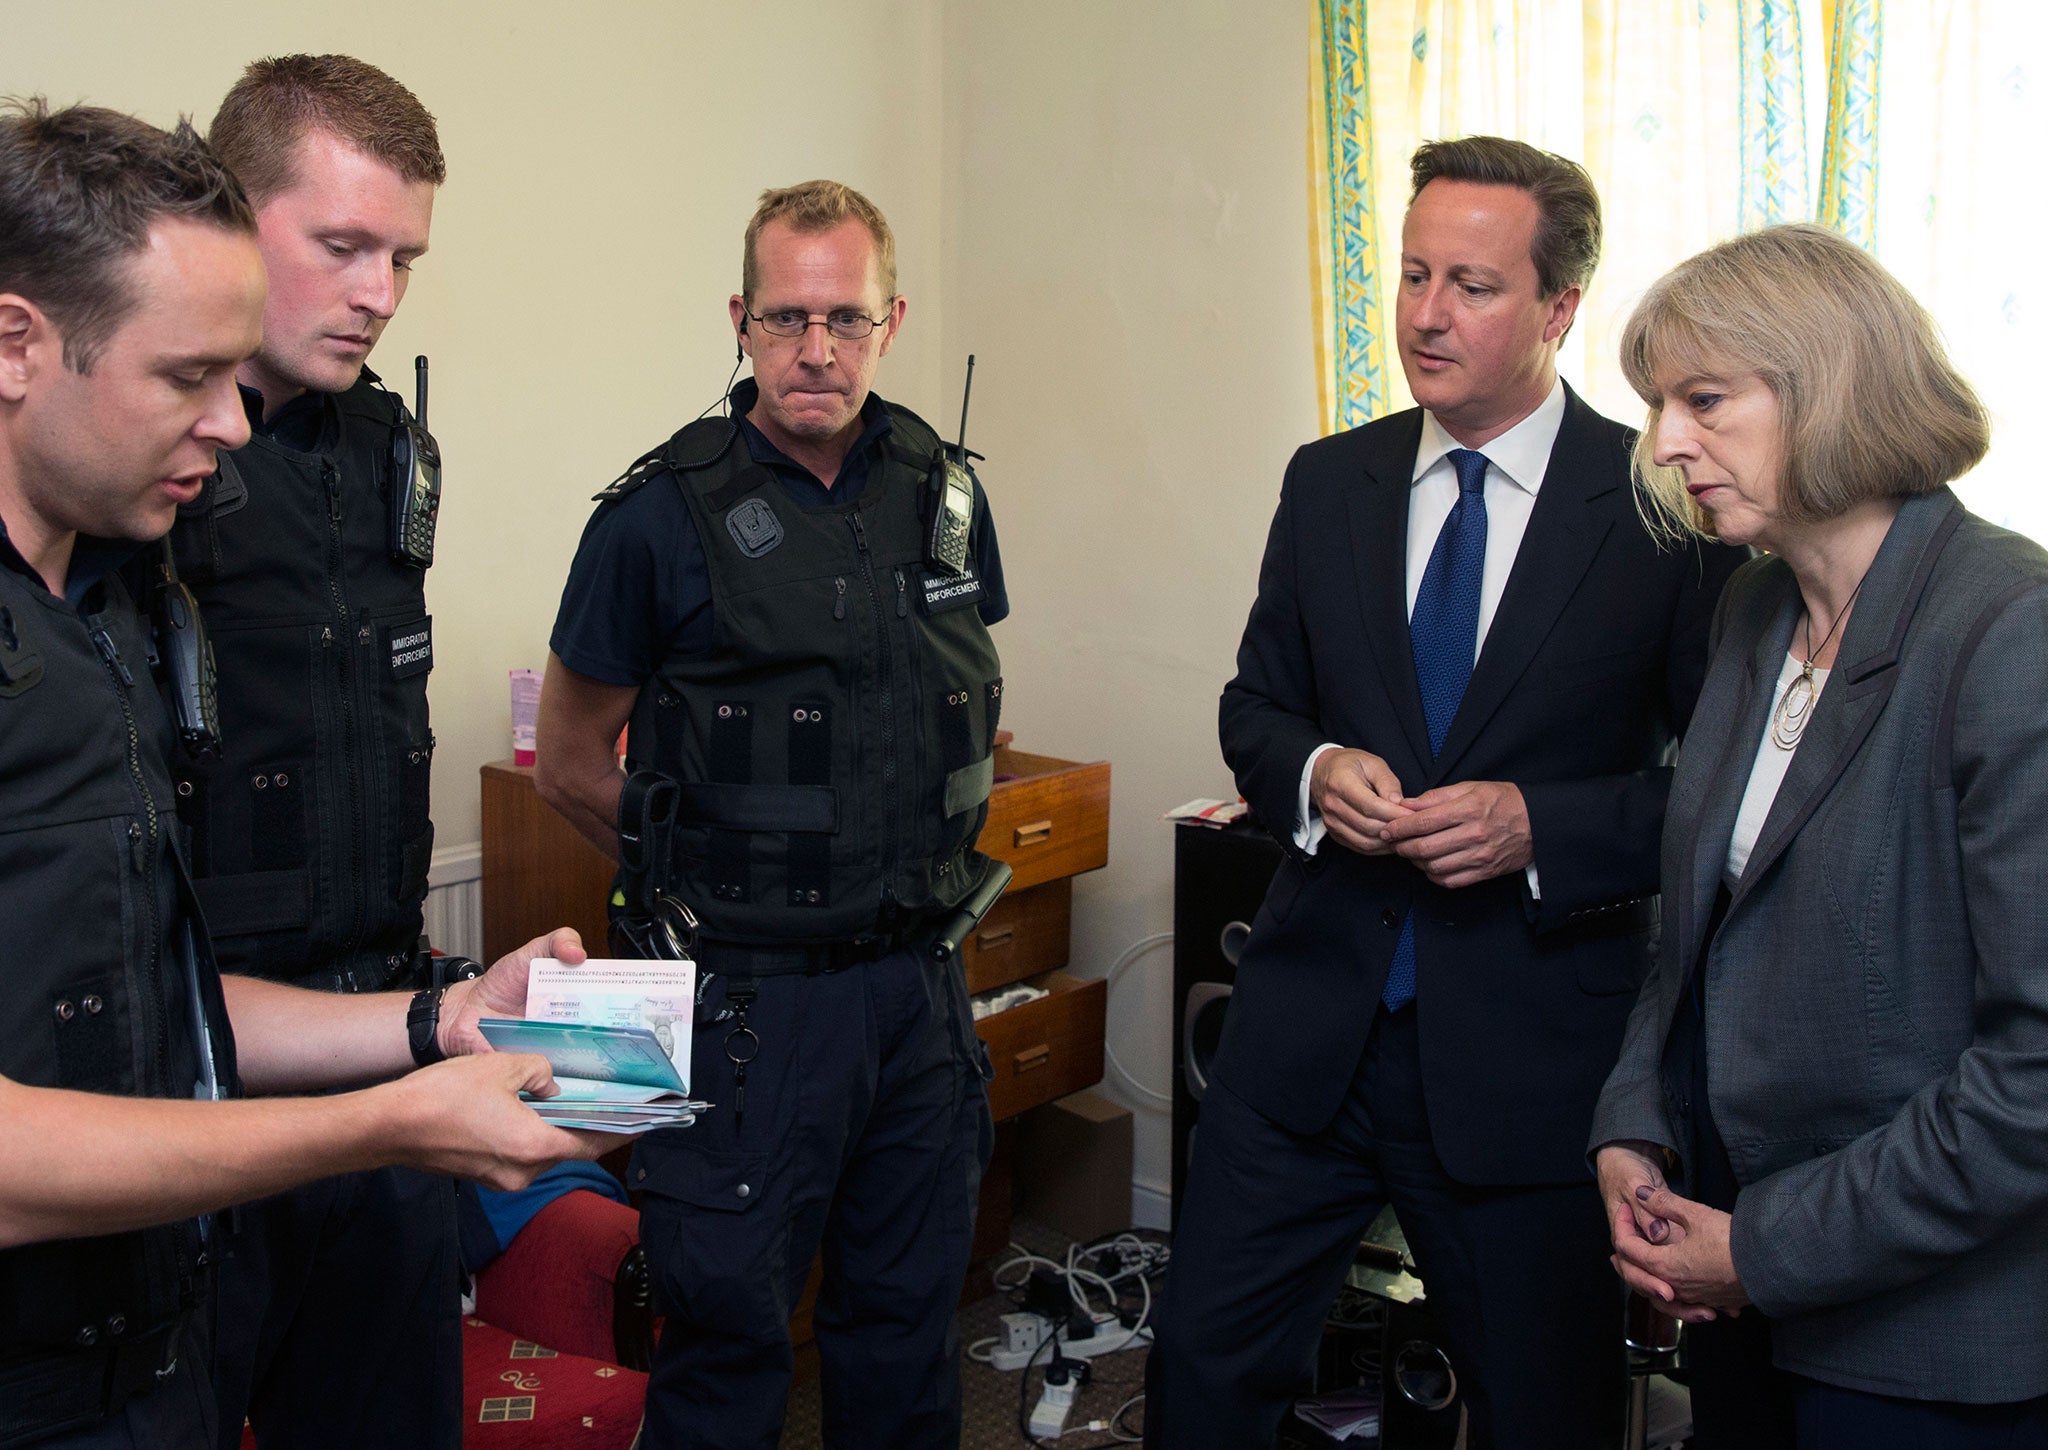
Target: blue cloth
(502, 1215)
(1443, 633)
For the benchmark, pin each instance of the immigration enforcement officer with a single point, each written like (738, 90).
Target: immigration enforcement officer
(762, 599)
(311, 838)
(131, 288)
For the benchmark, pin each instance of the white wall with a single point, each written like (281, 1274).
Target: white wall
(1126, 253)
(1106, 203)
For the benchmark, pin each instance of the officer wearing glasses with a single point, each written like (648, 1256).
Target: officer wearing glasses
(763, 599)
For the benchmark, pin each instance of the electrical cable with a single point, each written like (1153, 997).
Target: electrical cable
(1024, 1387)
(1130, 954)
(1125, 1435)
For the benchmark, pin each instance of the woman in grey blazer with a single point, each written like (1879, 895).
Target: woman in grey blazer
(1825, 1145)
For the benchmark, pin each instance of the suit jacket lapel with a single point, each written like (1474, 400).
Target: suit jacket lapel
(1857, 691)
(1739, 718)
(1379, 542)
(1574, 510)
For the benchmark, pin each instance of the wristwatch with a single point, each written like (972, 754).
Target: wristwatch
(423, 1027)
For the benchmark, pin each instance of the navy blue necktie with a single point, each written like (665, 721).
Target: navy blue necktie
(1443, 634)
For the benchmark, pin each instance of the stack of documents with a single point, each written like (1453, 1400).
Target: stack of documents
(617, 1034)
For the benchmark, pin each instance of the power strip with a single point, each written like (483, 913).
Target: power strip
(1049, 1415)
(1025, 1340)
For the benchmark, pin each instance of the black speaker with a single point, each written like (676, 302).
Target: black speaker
(1220, 876)
(1421, 1403)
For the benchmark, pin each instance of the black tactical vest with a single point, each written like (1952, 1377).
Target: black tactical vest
(835, 744)
(102, 953)
(312, 836)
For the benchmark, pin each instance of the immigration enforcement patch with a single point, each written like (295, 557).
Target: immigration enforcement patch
(409, 649)
(951, 591)
(754, 527)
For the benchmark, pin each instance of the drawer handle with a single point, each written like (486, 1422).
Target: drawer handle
(994, 937)
(1034, 1057)
(1035, 834)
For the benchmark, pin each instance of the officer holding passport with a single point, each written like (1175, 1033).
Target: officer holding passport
(131, 288)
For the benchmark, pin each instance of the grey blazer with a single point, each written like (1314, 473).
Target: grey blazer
(1877, 995)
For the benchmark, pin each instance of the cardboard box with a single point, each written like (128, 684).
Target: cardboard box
(1073, 1165)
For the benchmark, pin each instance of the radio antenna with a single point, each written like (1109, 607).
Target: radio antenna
(966, 392)
(419, 369)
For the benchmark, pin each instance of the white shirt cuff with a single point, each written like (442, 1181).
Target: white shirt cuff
(1529, 874)
(1309, 829)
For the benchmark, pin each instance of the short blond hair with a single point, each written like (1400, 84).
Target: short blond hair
(1869, 405)
(818, 206)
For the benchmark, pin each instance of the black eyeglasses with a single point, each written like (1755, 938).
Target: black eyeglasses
(845, 324)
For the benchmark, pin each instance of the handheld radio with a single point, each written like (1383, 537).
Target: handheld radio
(185, 656)
(415, 482)
(952, 496)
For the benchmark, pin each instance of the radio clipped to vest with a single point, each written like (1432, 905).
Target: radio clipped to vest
(950, 496)
(184, 660)
(415, 482)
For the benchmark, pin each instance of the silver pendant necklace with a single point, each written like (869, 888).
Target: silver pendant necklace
(1801, 694)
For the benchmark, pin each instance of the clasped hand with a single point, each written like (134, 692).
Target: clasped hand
(1671, 1250)
(1457, 835)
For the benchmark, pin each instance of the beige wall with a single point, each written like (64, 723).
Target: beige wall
(1126, 253)
(1106, 203)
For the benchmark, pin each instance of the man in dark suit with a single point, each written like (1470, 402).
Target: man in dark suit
(1437, 983)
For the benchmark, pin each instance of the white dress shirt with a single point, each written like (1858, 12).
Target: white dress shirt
(1516, 462)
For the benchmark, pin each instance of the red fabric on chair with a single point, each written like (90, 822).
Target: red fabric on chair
(518, 1394)
(554, 1283)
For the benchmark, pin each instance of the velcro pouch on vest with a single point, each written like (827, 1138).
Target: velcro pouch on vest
(809, 856)
(969, 786)
(970, 767)
(750, 808)
(253, 902)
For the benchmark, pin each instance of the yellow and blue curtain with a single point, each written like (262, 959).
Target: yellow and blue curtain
(1641, 91)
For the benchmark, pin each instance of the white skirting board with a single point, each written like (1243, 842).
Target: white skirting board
(1151, 1205)
(455, 900)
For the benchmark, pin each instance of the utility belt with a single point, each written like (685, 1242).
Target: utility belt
(750, 959)
(50, 1393)
(649, 921)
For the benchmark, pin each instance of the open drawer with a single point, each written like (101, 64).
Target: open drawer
(1048, 1048)
(1051, 820)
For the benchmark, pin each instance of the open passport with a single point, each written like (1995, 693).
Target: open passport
(617, 1034)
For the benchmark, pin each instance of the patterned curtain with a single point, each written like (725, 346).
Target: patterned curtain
(1947, 94)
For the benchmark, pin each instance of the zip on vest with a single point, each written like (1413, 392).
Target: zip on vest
(888, 697)
(142, 843)
(348, 865)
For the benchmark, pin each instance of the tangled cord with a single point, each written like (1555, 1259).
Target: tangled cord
(1119, 1261)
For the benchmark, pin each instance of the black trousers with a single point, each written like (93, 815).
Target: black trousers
(864, 1130)
(1517, 1277)
(339, 1323)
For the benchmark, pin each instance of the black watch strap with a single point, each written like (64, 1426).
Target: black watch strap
(423, 1027)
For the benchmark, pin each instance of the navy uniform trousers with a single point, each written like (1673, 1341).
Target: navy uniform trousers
(863, 1129)
(340, 1317)
(1517, 1278)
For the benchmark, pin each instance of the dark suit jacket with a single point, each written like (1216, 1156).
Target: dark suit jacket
(1587, 676)
(1877, 993)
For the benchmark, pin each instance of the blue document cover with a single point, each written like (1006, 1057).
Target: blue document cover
(580, 1053)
